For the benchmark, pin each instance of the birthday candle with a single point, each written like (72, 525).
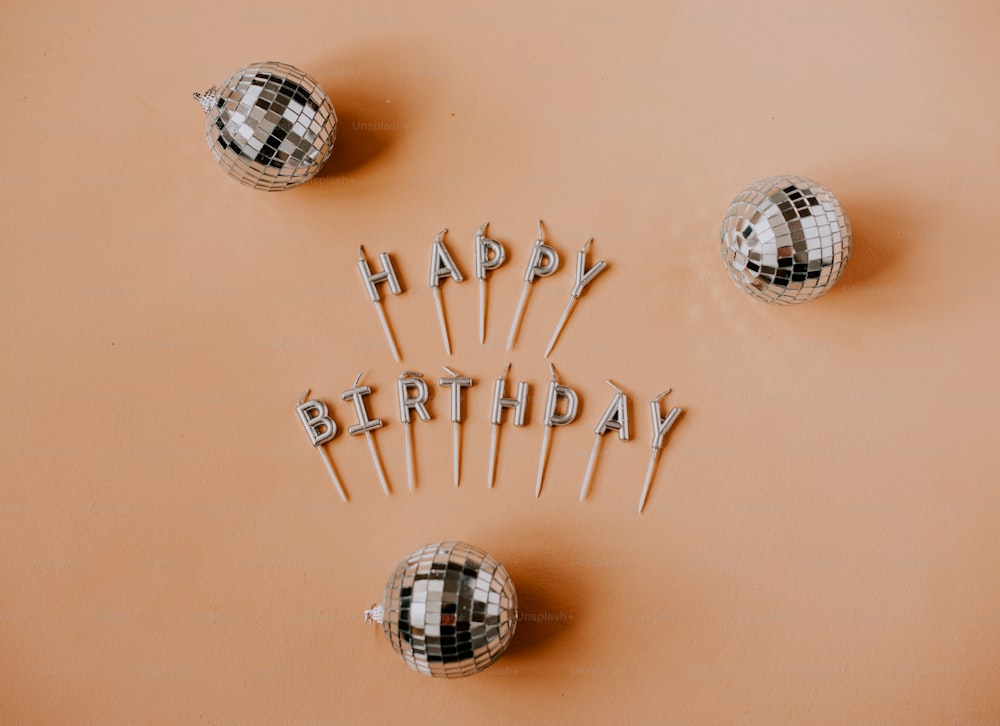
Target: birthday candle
(320, 427)
(583, 278)
(442, 266)
(490, 254)
(544, 261)
(366, 426)
(410, 382)
(456, 383)
(660, 428)
(557, 392)
(614, 418)
(501, 401)
(372, 281)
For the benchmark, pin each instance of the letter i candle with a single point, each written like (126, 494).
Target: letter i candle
(365, 426)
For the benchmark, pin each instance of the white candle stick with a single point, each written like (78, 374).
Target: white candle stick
(614, 418)
(442, 266)
(490, 254)
(583, 278)
(371, 281)
(552, 419)
(456, 451)
(482, 311)
(501, 401)
(543, 460)
(377, 461)
(410, 382)
(560, 325)
(544, 261)
(456, 383)
(320, 427)
(653, 457)
(366, 426)
(325, 455)
(518, 312)
(388, 332)
(411, 469)
(439, 303)
(494, 444)
(660, 428)
(588, 476)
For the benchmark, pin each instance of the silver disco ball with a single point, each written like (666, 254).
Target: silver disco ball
(269, 125)
(449, 610)
(785, 239)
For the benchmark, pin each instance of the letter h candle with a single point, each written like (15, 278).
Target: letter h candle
(501, 401)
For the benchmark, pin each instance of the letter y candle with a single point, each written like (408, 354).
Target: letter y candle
(583, 278)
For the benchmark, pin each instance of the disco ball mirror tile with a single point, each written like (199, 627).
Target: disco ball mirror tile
(449, 609)
(785, 239)
(269, 125)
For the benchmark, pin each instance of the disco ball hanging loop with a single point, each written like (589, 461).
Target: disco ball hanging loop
(449, 610)
(269, 125)
(785, 239)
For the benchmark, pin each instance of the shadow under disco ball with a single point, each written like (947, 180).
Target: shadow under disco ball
(785, 239)
(269, 125)
(449, 610)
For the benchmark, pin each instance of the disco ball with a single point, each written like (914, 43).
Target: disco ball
(269, 125)
(449, 610)
(785, 239)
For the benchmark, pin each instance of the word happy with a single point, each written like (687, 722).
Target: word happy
(489, 255)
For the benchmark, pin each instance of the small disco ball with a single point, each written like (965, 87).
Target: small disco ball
(785, 239)
(449, 610)
(269, 125)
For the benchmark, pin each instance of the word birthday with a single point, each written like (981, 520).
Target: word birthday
(413, 392)
(489, 255)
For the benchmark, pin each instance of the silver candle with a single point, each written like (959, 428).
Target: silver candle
(542, 262)
(500, 402)
(661, 425)
(412, 392)
(442, 266)
(371, 281)
(456, 383)
(583, 278)
(320, 427)
(556, 393)
(614, 418)
(366, 426)
(490, 254)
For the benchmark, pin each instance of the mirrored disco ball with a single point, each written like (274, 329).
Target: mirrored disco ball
(449, 609)
(785, 239)
(269, 125)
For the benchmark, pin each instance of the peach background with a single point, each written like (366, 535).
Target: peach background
(821, 542)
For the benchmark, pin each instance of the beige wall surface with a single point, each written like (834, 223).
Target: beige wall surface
(821, 541)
